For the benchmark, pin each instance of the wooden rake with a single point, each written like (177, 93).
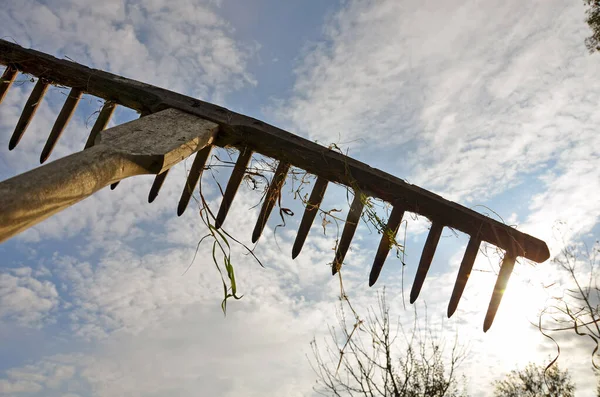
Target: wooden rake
(174, 126)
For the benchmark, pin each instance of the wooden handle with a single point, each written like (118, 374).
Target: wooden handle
(31, 197)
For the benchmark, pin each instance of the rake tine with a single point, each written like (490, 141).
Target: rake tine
(61, 122)
(156, 185)
(237, 175)
(101, 122)
(463, 273)
(426, 257)
(348, 232)
(8, 77)
(316, 197)
(385, 244)
(270, 199)
(192, 179)
(508, 264)
(32, 104)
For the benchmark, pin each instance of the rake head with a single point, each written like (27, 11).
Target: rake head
(177, 126)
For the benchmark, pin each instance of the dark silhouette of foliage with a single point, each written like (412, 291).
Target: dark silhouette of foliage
(535, 381)
(593, 20)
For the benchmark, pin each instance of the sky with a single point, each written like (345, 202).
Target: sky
(490, 104)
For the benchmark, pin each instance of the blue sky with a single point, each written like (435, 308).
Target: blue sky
(491, 105)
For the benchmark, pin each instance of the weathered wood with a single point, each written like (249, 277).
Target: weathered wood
(237, 175)
(464, 272)
(350, 226)
(243, 131)
(157, 185)
(273, 193)
(192, 179)
(150, 145)
(312, 207)
(101, 122)
(508, 264)
(386, 242)
(31, 106)
(61, 122)
(426, 257)
(8, 77)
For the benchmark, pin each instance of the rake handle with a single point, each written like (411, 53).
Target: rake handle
(33, 196)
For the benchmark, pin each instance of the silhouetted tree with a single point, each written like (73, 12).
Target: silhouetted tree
(578, 309)
(362, 361)
(593, 20)
(535, 381)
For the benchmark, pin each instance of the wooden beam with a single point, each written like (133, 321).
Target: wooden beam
(243, 131)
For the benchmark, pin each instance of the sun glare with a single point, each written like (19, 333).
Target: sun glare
(517, 319)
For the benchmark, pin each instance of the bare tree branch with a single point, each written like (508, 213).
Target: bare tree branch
(372, 369)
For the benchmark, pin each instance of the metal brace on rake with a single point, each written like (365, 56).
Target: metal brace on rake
(175, 126)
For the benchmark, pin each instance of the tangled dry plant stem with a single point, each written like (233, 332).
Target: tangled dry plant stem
(256, 178)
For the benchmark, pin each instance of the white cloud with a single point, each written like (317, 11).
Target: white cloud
(463, 99)
(155, 329)
(130, 291)
(471, 102)
(184, 46)
(24, 299)
(570, 198)
(53, 375)
(19, 386)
